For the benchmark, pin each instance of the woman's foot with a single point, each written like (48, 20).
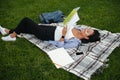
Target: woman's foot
(8, 38)
(3, 31)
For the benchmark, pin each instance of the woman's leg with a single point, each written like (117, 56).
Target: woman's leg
(40, 31)
(28, 26)
(25, 26)
(21, 28)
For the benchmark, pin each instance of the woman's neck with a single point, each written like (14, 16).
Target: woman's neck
(77, 34)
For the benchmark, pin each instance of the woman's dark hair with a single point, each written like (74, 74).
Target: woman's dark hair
(92, 38)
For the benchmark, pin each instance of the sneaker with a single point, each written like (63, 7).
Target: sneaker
(2, 30)
(8, 38)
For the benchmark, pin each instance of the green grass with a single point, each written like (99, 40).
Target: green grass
(21, 60)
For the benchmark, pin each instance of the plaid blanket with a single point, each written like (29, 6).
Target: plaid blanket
(94, 53)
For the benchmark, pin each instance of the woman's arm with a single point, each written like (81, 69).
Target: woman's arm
(72, 43)
(64, 31)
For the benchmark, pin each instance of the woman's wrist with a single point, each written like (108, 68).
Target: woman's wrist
(63, 37)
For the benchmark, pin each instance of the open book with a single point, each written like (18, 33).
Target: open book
(72, 18)
(60, 57)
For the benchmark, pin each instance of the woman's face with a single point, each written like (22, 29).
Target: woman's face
(87, 32)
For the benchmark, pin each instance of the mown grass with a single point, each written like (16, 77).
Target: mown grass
(21, 60)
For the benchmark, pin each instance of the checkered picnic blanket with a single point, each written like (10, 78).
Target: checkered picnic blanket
(94, 53)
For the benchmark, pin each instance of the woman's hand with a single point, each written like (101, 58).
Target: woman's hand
(64, 31)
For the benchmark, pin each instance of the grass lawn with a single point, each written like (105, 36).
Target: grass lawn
(21, 60)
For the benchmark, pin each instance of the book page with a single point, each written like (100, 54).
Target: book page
(60, 57)
(72, 18)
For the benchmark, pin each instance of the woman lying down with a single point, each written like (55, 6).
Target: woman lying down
(56, 35)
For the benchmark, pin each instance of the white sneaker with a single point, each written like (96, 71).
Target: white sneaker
(8, 38)
(2, 30)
